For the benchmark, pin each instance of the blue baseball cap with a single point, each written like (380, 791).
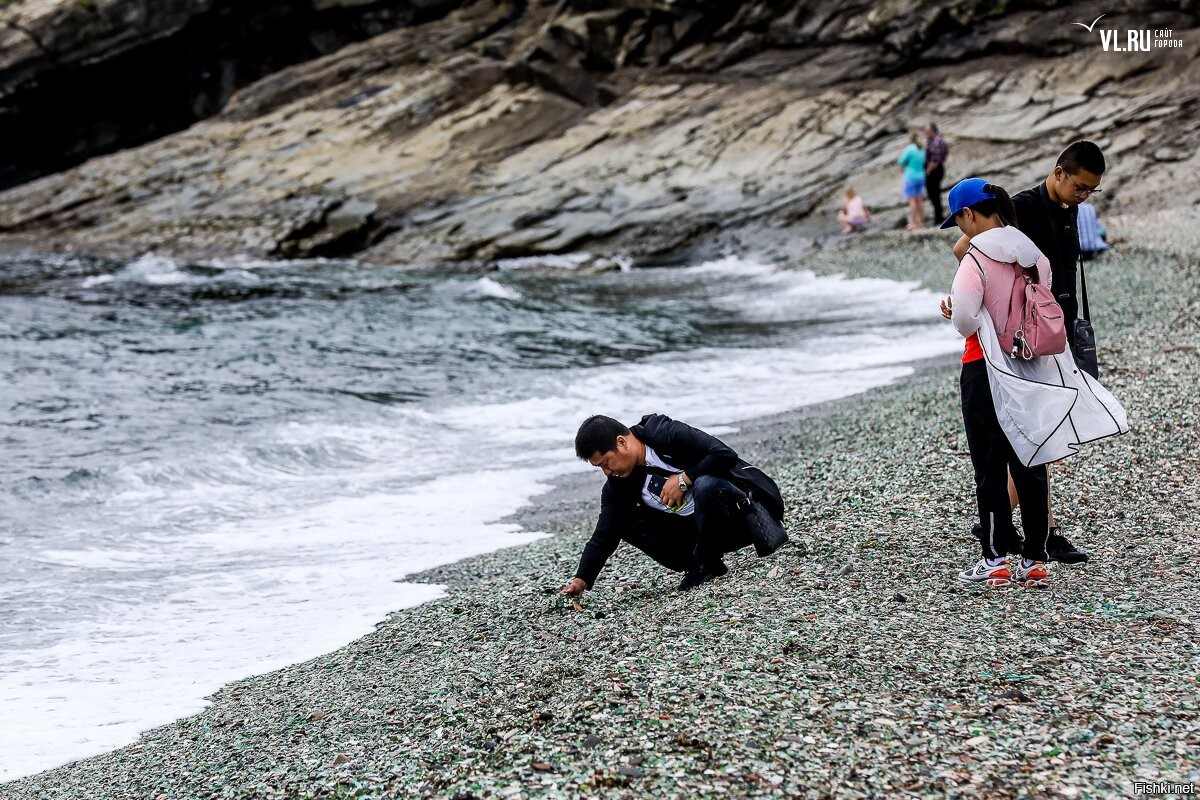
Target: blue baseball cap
(966, 193)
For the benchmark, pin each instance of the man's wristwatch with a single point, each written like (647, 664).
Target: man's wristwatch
(683, 487)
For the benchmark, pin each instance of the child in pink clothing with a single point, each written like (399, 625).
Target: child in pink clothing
(854, 215)
(983, 285)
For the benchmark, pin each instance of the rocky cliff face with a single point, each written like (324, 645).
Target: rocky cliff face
(86, 77)
(640, 127)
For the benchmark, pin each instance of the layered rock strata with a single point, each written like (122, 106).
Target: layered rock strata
(642, 128)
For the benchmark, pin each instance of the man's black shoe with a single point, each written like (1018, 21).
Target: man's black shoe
(1060, 550)
(694, 577)
(767, 534)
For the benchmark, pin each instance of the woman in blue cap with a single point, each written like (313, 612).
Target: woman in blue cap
(983, 285)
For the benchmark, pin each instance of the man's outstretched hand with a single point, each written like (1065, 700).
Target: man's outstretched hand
(574, 588)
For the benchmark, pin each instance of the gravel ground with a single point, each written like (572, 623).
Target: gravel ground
(850, 664)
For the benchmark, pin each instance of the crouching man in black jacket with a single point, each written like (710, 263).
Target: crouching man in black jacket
(679, 495)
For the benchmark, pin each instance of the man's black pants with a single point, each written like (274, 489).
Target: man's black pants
(700, 539)
(933, 188)
(993, 459)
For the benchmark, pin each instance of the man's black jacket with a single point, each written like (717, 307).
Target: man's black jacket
(683, 447)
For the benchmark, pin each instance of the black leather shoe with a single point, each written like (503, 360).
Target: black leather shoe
(694, 577)
(767, 534)
(1060, 550)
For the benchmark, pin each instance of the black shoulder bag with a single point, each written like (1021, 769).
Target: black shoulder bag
(1083, 335)
(1083, 340)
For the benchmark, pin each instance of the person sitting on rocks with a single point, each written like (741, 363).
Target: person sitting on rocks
(854, 215)
(678, 494)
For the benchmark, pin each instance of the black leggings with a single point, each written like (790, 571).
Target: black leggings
(993, 459)
(933, 188)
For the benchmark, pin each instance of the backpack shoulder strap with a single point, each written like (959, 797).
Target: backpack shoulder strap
(971, 252)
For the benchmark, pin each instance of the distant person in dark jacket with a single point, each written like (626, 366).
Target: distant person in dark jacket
(679, 495)
(936, 152)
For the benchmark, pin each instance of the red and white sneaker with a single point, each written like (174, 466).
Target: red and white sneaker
(1032, 574)
(987, 574)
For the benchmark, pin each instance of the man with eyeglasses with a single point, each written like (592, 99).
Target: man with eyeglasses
(1048, 214)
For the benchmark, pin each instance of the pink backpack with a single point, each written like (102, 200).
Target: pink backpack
(1035, 319)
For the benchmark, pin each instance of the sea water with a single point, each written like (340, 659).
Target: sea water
(217, 469)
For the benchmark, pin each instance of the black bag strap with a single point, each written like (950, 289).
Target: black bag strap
(1087, 312)
(1054, 232)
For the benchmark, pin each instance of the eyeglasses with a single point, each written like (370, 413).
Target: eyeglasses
(1082, 191)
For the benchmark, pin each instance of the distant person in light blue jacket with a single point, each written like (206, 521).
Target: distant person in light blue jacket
(913, 161)
(1092, 236)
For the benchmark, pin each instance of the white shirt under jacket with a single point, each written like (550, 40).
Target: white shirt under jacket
(1047, 406)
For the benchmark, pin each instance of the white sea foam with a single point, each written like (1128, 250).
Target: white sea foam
(486, 287)
(736, 265)
(75, 701)
(252, 263)
(254, 596)
(155, 270)
(568, 261)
